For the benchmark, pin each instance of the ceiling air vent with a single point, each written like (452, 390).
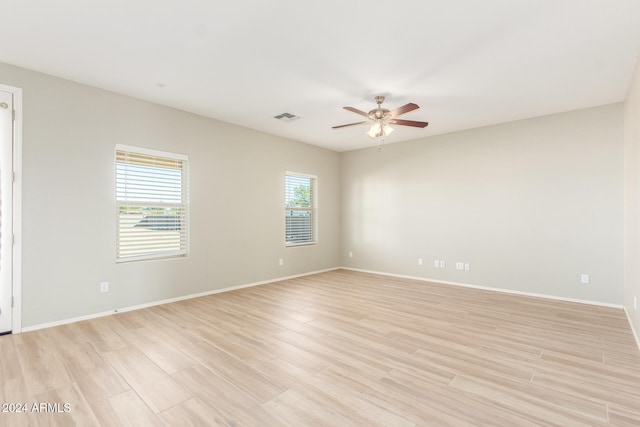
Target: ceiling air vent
(286, 117)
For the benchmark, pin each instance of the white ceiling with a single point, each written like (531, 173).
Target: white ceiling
(467, 63)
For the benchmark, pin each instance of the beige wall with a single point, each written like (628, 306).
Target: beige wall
(236, 194)
(632, 201)
(530, 205)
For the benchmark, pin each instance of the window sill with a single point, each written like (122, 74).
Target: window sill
(293, 245)
(150, 258)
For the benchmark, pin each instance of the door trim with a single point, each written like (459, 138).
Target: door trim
(16, 310)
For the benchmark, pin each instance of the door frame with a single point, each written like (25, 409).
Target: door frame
(16, 310)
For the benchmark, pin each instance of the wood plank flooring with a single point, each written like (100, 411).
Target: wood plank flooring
(341, 348)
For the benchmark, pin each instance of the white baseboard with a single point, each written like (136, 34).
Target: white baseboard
(264, 282)
(487, 288)
(635, 333)
(166, 301)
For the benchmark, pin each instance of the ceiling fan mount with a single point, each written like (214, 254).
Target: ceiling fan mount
(379, 113)
(380, 118)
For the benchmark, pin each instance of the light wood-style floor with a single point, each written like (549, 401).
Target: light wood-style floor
(335, 349)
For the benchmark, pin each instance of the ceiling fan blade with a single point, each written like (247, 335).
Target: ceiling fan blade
(409, 123)
(350, 124)
(355, 110)
(404, 109)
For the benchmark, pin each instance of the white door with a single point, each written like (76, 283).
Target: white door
(6, 210)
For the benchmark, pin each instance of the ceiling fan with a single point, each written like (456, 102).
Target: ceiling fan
(380, 118)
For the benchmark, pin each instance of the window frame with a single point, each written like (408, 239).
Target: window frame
(312, 209)
(183, 205)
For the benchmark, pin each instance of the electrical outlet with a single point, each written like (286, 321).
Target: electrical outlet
(466, 266)
(442, 264)
(436, 264)
(281, 261)
(584, 279)
(420, 261)
(104, 286)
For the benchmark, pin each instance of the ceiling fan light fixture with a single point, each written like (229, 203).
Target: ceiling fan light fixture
(376, 130)
(379, 129)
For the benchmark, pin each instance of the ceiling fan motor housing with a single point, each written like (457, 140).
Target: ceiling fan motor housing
(379, 113)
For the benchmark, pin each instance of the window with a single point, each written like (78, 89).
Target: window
(300, 209)
(151, 204)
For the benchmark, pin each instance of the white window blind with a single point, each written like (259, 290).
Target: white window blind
(151, 204)
(300, 209)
